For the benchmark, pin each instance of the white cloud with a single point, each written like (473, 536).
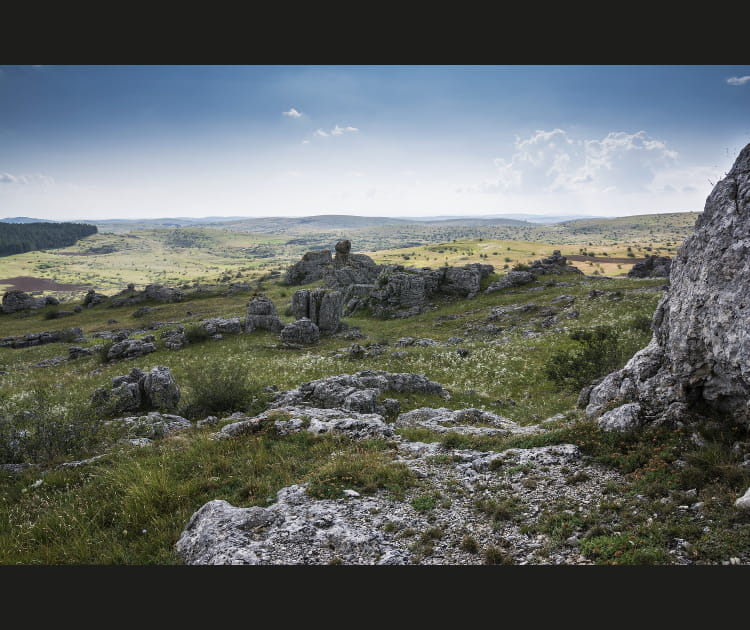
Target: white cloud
(36, 178)
(552, 161)
(305, 142)
(738, 80)
(292, 113)
(336, 131)
(339, 131)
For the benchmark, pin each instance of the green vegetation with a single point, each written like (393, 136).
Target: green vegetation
(25, 237)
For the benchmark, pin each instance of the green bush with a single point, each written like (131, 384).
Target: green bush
(598, 353)
(39, 430)
(195, 333)
(221, 387)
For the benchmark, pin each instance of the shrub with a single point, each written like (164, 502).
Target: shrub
(51, 313)
(495, 555)
(196, 333)
(598, 353)
(40, 431)
(221, 387)
(520, 267)
(102, 351)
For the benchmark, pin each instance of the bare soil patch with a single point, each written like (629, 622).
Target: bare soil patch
(31, 283)
(630, 261)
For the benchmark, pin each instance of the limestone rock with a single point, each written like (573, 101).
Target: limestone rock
(222, 326)
(160, 389)
(261, 314)
(309, 269)
(511, 279)
(14, 301)
(160, 293)
(322, 306)
(699, 354)
(302, 332)
(652, 267)
(92, 298)
(129, 349)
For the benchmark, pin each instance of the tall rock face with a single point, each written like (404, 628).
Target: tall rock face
(699, 357)
(261, 313)
(322, 306)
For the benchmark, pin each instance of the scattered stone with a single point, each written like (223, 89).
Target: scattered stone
(261, 314)
(130, 349)
(153, 425)
(219, 325)
(303, 332)
(465, 421)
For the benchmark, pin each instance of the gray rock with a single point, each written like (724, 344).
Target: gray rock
(130, 349)
(623, 418)
(160, 293)
(309, 269)
(302, 332)
(261, 314)
(15, 301)
(511, 279)
(699, 354)
(465, 421)
(743, 503)
(219, 325)
(160, 390)
(92, 298)
(153, 425)
(357, 392)
(651, 267)
(323, 307)
(554, 264)
(294, 530)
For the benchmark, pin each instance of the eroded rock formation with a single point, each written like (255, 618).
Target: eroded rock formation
(698, 360)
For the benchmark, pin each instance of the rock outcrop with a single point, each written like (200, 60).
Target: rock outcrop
(309, 269)
(92, 298)
(348, 269)
(323, 307)
(303, 332)
(358, 392)
(131, 348)
(698, 360)
(139, 391)
(15, 301)
(41, 338)
(651, 267)
(261, 313)
(223, 326)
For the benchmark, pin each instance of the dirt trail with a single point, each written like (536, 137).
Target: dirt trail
(31, 283)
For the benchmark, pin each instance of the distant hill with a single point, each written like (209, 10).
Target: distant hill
(25, 220)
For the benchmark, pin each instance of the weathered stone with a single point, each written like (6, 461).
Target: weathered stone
(743, 503)
(160, 390)
(511, 279)
(623, 418)
(153, 425)
(309, 269)
(160, 293)
(261, 314)
(92, 298)
(129, 349)
(651, 267)
(465, 421)
(14, 301)
(699, 354)
(342, 391)
(302, 332)
(220, 325)
(553, 264)
(322, 306)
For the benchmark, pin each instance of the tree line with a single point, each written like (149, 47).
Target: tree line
(26, 237)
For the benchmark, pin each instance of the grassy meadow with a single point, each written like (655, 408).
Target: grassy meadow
(130, 505)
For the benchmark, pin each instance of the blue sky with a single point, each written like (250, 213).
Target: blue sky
(95, 142)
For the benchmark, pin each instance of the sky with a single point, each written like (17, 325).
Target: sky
(105, 142)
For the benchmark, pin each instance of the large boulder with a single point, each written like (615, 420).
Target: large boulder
(138, 391)
(556, 263)
(131, 348)
(303, 332)
(309, 269)
(14, 301)
(651, 267)
(160, 293)
(92, 298)
(348, 269)
(399, 294)
(261, 313)
(698, 360)
(159, 389)
(322, 306)
(223, 326)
